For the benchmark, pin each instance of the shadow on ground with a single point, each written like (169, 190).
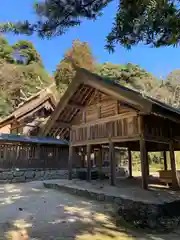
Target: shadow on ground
(28, 211)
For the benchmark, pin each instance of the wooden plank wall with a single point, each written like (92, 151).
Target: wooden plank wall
(103, 109)
(32, 156)
(158, 128)
(119, 127)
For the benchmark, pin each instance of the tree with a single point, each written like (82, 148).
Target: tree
(5, 51)
(154, 22)
(172, 80)
(25, 53)
(130, 75)
(170, 89)
(81, 55)
(111, 71)
(20, 72)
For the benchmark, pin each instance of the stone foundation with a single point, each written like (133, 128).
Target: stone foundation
(27, 175)
(161, 217)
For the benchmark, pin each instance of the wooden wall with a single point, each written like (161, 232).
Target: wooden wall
(33, 156)
(103, 109)
(161, 129)
(102, 120)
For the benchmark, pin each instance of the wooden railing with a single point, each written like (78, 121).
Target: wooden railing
(116, 126)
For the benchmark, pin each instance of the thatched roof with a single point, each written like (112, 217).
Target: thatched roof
(83, 90)
(44, 98)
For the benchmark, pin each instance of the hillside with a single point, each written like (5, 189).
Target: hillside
(21, 74)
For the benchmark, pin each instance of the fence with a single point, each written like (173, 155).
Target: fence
(28, 155)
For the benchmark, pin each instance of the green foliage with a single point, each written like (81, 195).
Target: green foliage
(5, 51)
(169, 89)
(172, 80)
(111, 71)
(29, 77)
(25, 52)
(35, 77)
(152, 22)
(129, 75)
(81, 55)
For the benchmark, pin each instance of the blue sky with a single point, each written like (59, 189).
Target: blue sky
(158, 61)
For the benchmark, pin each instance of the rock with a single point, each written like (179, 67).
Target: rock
(18, 173)
(37, 175)
(29, 174)
(7, 176)
(42, 173)
(18, 179)
(111, 198)
(118, 200)
(101, 197)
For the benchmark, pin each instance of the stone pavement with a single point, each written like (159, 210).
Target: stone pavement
(28, 209)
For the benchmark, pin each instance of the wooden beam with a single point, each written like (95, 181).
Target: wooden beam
(125, 95)
(165, 160)
(112, 164)
(88, 163)
(70, 162)
(62, 104)
(107, 119)
(76, 106)
(144, 155)
(99, 159)
(173, 166)
(130, 163)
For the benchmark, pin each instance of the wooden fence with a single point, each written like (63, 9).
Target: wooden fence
(33, 156)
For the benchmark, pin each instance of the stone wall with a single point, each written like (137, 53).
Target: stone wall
(27, 175)
(161, 217)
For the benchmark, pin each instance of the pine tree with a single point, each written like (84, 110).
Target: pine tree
(152, 22)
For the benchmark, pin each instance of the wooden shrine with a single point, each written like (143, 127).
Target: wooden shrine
(95, 111)
(28, 117)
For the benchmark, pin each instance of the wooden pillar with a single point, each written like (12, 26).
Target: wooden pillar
(130, 163)
(165, 160)
(112, 164)
(173, 166)
(70, 162)
(99, 159)
(144, 169)
(147, 163)
(83, 157)
(88, 162)
(144, 155)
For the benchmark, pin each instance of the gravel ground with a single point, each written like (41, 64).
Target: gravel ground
(29, 211)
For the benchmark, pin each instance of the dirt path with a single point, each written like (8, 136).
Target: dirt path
(45, 214)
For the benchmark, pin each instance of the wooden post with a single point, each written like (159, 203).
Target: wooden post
(147, 164)
(130, 163)
(112, 164)
(88, 162)
(70, 162)
(70, 159)
(144, 155)
(99, 159)
(144, 170)
(173, 166)
(165, 160)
